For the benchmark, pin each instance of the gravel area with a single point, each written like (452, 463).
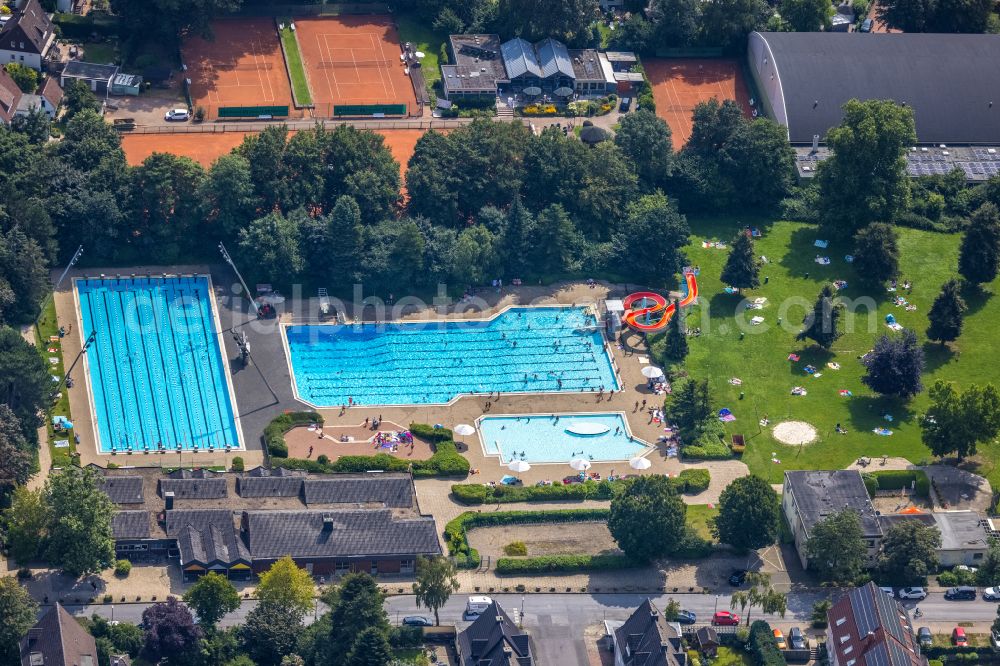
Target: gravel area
(546, 539)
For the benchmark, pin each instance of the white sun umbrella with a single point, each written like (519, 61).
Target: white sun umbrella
(580, 464)
(640, 463)
(519, 466)
(651, 372)
(464, 429)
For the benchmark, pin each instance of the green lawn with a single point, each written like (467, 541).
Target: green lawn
(729, 657)
(416, 31)
(104, 54)
(760, 359)
(48, 326)
(300, 84)
(698, 516)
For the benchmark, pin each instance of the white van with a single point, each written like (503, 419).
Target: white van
(476, 606)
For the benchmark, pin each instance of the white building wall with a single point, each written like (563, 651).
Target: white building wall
(32, 60)
(767, 79)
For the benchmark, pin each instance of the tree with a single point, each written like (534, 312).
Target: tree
(894, 365)
(436, 580)
(654, 218)
(946, 313)
(957, 422)
(24, 268)
(171, 633)
(690, 408)
(25, 77)
(78, 97)
(16, 459)
(26, 523)
(676, 345)
(344, 225)
(645, 140)
(741, 266)
(287, 584)
(35, 124)
(17, 615)
(989, 569)
(271, 632)
(557, 241)
(647, 518)
(671, 610)
(358, 605)
(165, 20)
(865, 178)
(821, 324)
(728, 22)
(227, 195)
(371, 648)
(876, 253)
(807, 15)
(760, 593)
(835, 549)
(24, 381)
(474, 255)
(565, 20)
(971, 16)
(165, 215)
(212, 597)
(517, 238)
(909, 552)
(749, 514)
(115, 639)
(979, 257)
(80, 537)
(675, 23)
(270, 246)
(818, 618)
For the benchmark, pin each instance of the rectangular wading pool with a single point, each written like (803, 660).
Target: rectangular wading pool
(155, 366)
(541, 438)
(521, 350)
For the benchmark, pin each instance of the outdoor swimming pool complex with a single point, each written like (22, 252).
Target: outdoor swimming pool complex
(546, 349)
(542, 438)
(155, 366)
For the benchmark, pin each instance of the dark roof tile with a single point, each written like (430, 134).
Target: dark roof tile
(390, 490)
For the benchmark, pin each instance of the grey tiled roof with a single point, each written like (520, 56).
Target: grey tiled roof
(206, 536)
(519, 58)
(194, 488)
(57, 639)
(276, 472)
(199, 473)
(123, 489)
(391, 490)
(130, 525)
(553, 57)
(646, 639)
(278, 486)
(356, 533)
(494, 640)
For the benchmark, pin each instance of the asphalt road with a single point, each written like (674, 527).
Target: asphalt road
(557, 621)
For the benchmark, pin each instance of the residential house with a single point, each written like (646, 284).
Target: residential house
(494, 640)
(57, 639)
(47, 99)
(27, 36)
(964, 539)
(809, 497)
(647, 639)
(867, 626)
(10, 97)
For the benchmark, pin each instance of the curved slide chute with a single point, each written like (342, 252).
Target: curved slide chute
(652, 311)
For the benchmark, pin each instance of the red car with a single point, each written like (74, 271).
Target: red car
(725, 619)
(569, 480)
(958, 637)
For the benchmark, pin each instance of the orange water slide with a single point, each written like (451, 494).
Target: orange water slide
(659, 305)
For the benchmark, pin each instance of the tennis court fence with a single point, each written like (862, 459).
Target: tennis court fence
(256, 126)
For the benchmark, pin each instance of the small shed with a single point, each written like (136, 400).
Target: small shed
(97, 77)
(707, 640)
(126, 84)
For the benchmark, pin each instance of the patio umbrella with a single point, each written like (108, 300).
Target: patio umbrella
(580, 464)
(563, 91)
(464, 429)
(640, 463)
(519, 466)
(651, 372)
(532, 90)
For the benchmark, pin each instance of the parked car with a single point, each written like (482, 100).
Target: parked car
(686, 617)
(991, 594)
(958, 637)
(963, 592)
(963, 567)
(779, 639)
(888, 590)
(177, 114)
(912, 593)
(569, 480)
(725, 619)
(418, 621)
(625, 105)
(924, 637)
(867, 25)
(738, 577)
(796, 639)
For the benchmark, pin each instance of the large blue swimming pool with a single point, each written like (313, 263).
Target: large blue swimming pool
(545, 438)
(546, 349)
(156, 369)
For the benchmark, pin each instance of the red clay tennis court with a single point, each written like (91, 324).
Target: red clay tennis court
(680, 84)
(353, 60)
(241, 65)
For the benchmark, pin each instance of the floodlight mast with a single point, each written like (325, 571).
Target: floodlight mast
(229, 260)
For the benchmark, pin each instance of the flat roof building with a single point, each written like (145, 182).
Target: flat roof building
(476, 67)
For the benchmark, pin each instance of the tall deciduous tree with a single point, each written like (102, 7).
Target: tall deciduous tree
(358, 606)
(835, 549)
(971, 16)
(80, 537)
(894, 365)
(17, 615)
(749, 514)
(78, 97)
(651, 237)
(947, 313)
(865, 178)
(876, 253)
(741, 269)
(270, 249)
(822, 324)
(979, 257)
(16, 459)
(165, 213)
(24, 381)
(645, 140)
(171, 634)
(909, 552)
(24, 269)
(370, 648)
(271, 632)
(760, 593)
(728, 22)
(557, 241)
(647, 518)
(807, 15)
(227, 195)
(436, 580)
(212, 597)
(287, 584)
(957, 422)
(27, 523)
(690, 408)
(565, 20)
(674, 23)
(675, 343)
(345, 229)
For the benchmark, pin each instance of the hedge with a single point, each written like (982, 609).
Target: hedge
(274, 433)
(563, 563)
(693, 481)
(446, 461)
(763, 647)
(430, 433)
(73, 26)
(949, 653)
(708, 450)
(897, 479)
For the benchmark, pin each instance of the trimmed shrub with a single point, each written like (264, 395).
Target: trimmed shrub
(694, 481)
(762, 646)
(898, 479)
(446, 461)
(238, 465)
(476, 493)
(694, 547)
(515, 549)
(563, 563)
(274, 433)
(708, 449)
(429, 433)
(871, 483)
(123, 568)
(73, 26)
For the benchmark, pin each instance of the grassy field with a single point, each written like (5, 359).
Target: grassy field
(300, 84)
(104, 54)
(698, 517)
(424, 39)
(49, 327)
(760, 359)
(729, 657)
